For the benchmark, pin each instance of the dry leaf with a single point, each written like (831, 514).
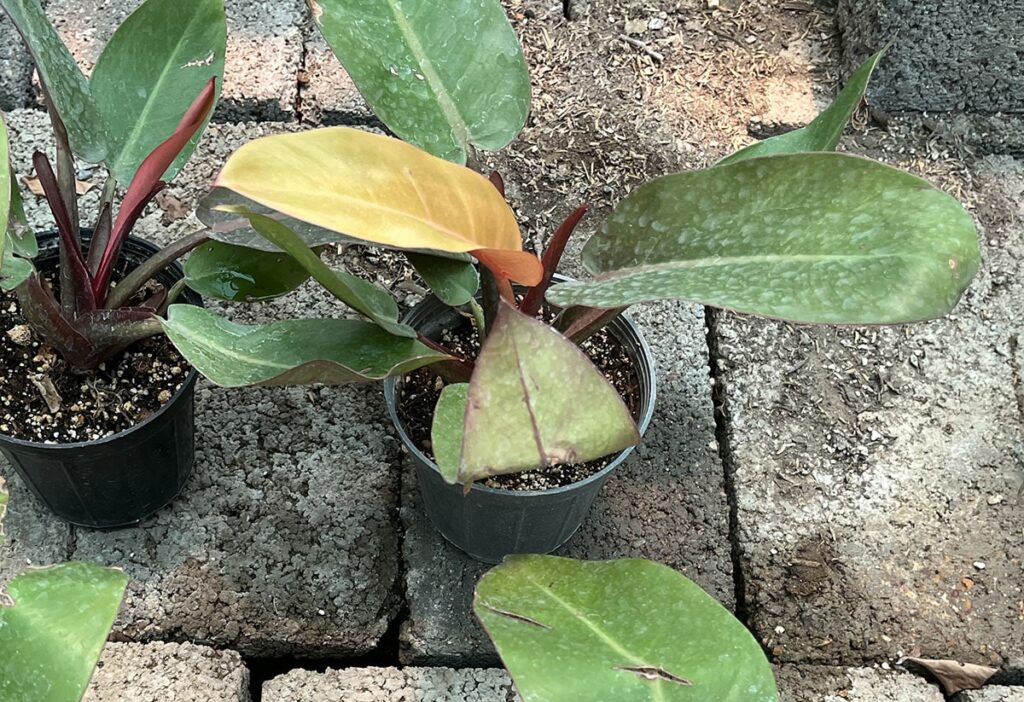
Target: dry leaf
(48, 391)
(36, 188)
(174, 209)
(952, 675)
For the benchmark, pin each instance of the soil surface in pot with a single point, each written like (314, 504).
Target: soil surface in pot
(122, 392)
(419, 391)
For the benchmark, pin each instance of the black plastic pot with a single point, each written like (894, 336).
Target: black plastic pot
(490, 524)
(119, 480)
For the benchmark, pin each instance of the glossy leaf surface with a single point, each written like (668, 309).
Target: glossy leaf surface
(453, 281)
(379, 190)
(824, 132)
(825, 238)
(524, 407)
(237, 273)
(158, 60)
(62, 79)
(629, 630)
(294, 352)
(440, 75)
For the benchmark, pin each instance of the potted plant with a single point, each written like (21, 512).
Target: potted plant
(785, 229)
(97, 413)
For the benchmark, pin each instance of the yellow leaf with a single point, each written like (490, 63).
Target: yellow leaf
(383, 191)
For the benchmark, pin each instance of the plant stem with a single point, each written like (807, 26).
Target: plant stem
(478, 319)
(134, 281)
(579, 323)
(456, 370)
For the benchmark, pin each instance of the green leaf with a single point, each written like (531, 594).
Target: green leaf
(7, 184)
(524, 408)
(363, 297)
(52, 636)
(446, 431)
(439, 75)
(453, 281)
(219, 209)
(154, 66)
(818, 238)
(294, 352)
(3, 510)
(824, 132)
(633, 630)
(13, 270)
(240, 274)
(19, 234)
(61, 78)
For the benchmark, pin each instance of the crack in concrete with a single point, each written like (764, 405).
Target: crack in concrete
(721, 414)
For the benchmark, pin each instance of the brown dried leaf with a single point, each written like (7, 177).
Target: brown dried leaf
(36, 188)
(49, 392)
(954, 676)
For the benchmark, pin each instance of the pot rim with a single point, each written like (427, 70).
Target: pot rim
(187, 386)
(646, 357)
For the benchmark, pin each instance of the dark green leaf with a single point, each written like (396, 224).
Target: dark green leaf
(824, 132)
(440, 75)
(62, 79)
(294, 352)
(818, 238)
(154, 66)
(634, 630)
(454, 282)
(237, 273)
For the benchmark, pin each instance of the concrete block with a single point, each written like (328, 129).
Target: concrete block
(667, 503)
(879, 472)
(264, 53)
(162, 672)
(992, 694)
(15, 68)
(946, 56)
(391, 685)
(825, 684)
(33, 536)
(328, 95)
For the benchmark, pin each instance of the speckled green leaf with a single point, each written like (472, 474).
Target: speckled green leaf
(824, 132)
(364, 297)
(52, 635)
(524, 409)
(825, 238)
(154, 66)
(446, 430)
(61, 78)
(293, 352)
(453, 281)
(439, 75)
(627, 630)
(20, 237)
(240, 274)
